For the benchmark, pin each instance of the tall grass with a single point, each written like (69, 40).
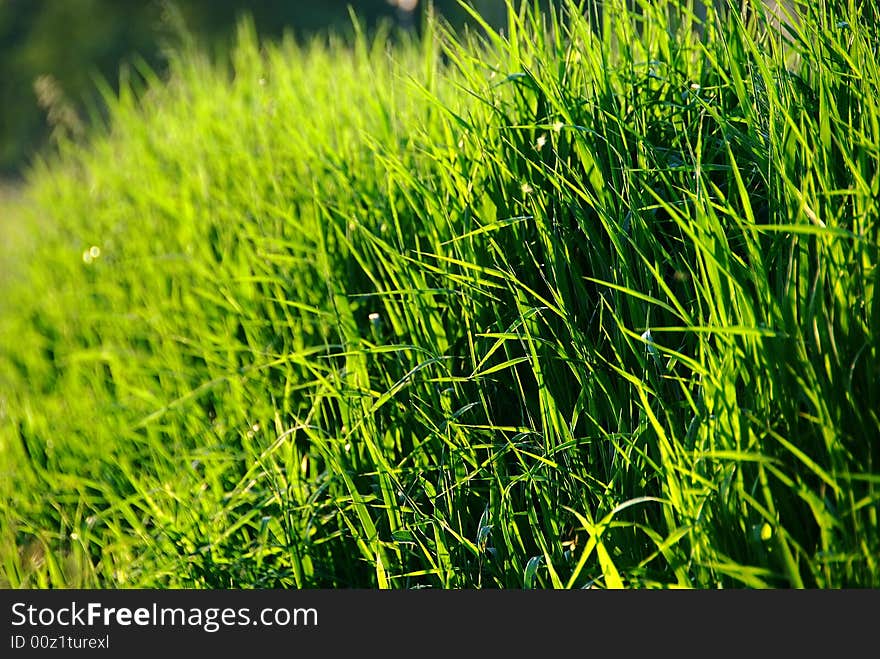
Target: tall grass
(561, 305)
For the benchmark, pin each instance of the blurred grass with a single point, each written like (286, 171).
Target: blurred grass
(17, 230)
(531, 308)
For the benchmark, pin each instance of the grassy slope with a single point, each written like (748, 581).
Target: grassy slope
(520, 312)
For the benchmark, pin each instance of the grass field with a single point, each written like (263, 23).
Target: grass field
(527, 309)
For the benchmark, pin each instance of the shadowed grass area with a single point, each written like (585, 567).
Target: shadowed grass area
(536, 308)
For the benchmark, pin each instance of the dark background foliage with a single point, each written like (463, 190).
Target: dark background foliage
(67, 45)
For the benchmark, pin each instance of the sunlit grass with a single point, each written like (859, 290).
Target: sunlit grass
(529, 308)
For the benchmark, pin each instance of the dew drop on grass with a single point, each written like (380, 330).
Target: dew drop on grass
(375, 325)
(91, 254)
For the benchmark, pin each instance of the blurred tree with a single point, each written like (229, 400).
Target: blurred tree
(69, 41)
(65, 44)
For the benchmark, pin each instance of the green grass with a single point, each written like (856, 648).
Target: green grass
(535, 308)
